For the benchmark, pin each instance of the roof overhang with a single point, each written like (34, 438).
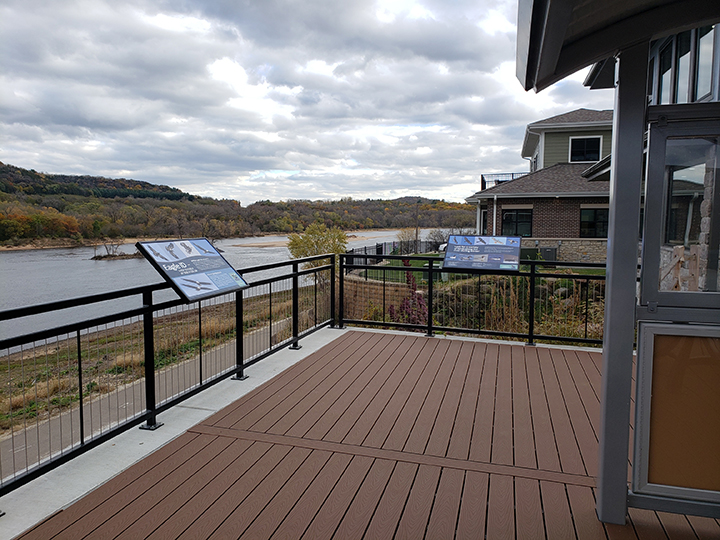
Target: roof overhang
(478, 197)
(556, 38)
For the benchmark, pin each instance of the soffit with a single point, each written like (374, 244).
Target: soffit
(558, 37)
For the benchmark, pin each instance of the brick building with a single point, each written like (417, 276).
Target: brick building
(560, 204)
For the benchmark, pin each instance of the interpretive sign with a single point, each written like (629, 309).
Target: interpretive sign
(483, 252)
(193, 267)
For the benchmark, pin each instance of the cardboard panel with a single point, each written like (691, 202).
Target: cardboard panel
(684, 446)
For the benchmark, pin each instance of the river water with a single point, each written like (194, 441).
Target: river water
(30, 277)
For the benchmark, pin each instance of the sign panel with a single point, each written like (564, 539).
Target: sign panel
(193, 267)
(483, 252)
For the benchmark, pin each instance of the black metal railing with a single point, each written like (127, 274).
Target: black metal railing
(545, 301)
(71, 387)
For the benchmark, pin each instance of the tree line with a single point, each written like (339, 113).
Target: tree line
(39, 205)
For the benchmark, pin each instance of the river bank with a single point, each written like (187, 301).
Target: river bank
(69, 243)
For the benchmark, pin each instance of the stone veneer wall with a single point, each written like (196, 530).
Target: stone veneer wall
(572, 249)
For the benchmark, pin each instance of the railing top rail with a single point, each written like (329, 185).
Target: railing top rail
(530, 262)
(37, 309)
(272, 266)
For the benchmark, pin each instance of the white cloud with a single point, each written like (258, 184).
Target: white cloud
(271, 100)
(178, 23)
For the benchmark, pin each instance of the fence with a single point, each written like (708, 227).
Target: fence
(67, 389)
(398, 247)
(539, 302)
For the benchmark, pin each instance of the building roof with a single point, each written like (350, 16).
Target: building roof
(560, 180)
(575, 120)
(579, 116)
(556, 38)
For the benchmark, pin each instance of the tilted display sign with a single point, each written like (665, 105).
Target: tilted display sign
(193, 267)
(483, 252)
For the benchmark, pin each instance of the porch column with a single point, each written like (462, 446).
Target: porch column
(619, 334)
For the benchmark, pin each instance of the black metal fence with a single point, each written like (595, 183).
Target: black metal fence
(542, 301)
(67, 389)
(398, 247)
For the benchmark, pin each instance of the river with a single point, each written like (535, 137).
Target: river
(38, 276)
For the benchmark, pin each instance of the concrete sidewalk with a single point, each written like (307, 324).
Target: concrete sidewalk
(35, 501)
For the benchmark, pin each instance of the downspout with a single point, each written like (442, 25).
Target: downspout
(477, 218)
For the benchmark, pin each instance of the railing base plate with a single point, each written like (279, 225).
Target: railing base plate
(152, 427)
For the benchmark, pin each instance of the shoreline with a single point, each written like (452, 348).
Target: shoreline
(69, 243)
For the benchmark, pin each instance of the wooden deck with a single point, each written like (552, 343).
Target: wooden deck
(384, 436)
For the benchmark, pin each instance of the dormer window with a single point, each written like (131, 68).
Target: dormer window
(585, 149)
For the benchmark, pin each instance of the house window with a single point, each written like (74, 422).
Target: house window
(517, 222)
(585, 148)
(665, 78)
(703, 62)
(685, 67)
(593, 222)
(682, 63)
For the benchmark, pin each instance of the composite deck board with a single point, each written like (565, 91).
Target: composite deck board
(546, 451)
(413, 522)
(523, 437)
(425, 423)
(568, 451)
(300, 412)
(705, 528)
(500, 508)
(502, 433)
(459, 445)
(407, 418)
(390, 508)
(581, 425)
(346, 409)
(388, 415)
(443, 517)
(473, 506)
(481, 444)
(383, 436)
(528, 509)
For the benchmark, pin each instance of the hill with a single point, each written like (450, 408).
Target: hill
(37, 205)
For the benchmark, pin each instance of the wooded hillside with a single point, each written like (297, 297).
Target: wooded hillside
(40, 205)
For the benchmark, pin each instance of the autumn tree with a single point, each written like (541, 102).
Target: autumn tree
(317, 240)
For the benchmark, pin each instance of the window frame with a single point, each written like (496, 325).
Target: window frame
(670, 46)
(585, 137)
(515, 221)
(595, 221)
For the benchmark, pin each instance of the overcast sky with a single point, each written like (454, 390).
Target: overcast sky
(271, 99)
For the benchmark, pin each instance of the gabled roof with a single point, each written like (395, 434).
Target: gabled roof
(556, 38)
(560, 180)
(573, 120)
(579, 116)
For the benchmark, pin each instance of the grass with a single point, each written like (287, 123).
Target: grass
(37, 382)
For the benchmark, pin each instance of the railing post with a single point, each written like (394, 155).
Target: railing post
(430, 299)
(200, 340)
(149, 342)
(587, 303)
(333, 261)
(342, 291)
(80, 388)
(295, 308)
(531, 321)
(239, 336)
